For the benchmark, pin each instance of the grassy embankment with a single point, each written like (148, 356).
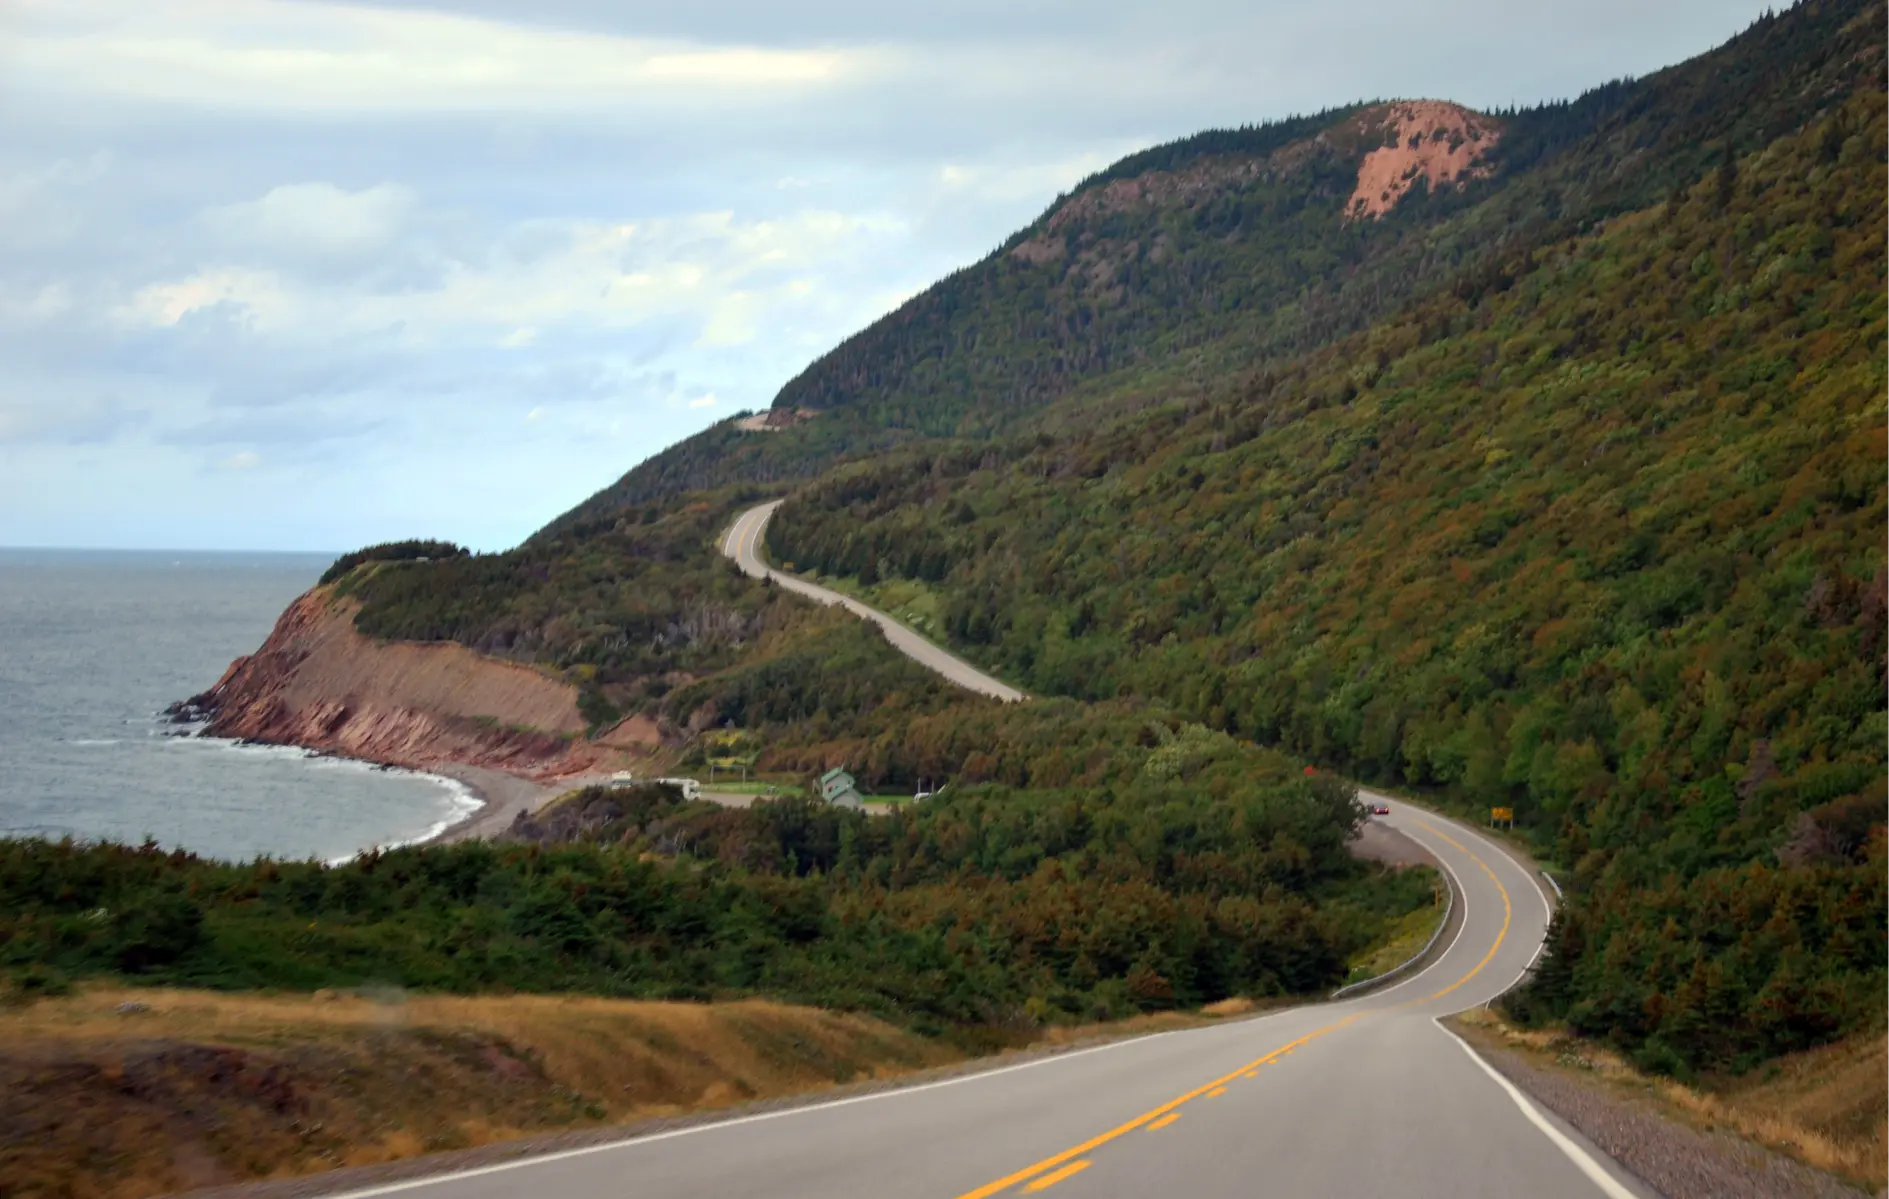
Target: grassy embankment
(1406, 937)
(1827, 1107)
(191, 1088)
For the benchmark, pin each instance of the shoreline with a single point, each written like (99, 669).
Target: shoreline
(502, 798)
(484, 800)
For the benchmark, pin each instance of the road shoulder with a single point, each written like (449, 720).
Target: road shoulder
(1679, 1161)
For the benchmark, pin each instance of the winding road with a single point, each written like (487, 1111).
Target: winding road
(1365, 1097)
(743, 544)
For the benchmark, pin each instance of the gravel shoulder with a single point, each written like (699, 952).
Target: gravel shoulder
(1676, 1159)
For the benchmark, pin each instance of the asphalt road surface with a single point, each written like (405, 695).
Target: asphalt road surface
(743, 544)
(1366, 1097)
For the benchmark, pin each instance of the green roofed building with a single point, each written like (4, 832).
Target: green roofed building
(837, 787)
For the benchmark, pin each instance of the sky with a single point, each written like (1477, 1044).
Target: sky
(306, 276)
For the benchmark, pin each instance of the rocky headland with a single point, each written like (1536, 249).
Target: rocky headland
(509, 731)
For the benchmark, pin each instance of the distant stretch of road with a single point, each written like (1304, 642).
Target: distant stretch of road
(1366, 1097)
(743, 544)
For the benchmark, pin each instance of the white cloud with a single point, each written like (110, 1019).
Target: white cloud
(258, 296)
(731, 322)
(277, 55)
(318, 218)
(32, 208)
(359, 240)
(1025, 180)
(31, 416)
(33, 305)
(724, 273)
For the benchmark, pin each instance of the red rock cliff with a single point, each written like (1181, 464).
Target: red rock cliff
(318, 683)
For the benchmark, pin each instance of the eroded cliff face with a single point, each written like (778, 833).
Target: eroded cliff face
(318, 683)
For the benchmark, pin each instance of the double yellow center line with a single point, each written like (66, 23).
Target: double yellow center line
(1051, 1170)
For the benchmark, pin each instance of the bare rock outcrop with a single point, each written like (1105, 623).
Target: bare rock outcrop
(318, 683)
(1433, 140)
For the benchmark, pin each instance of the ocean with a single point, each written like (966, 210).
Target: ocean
(94, 644)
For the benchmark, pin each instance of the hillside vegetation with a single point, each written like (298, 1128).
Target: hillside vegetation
(1600, 540)
(1551, 481)
(643, 615)
(1182, 874)
(1231, 249)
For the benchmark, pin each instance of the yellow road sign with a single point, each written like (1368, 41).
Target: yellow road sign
(1502, 814)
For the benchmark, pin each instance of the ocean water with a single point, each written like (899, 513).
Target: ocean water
(94, 644)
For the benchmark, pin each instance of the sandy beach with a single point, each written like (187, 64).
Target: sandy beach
(505, 796)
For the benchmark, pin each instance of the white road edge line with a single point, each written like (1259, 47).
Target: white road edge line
(1496, 851)
(1462, 893)
(1582, 1159)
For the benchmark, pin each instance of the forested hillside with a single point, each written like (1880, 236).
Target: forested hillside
(1600, 539)
(1531, 459)
(1232, 249)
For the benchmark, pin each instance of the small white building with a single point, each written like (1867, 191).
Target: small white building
(839, 788)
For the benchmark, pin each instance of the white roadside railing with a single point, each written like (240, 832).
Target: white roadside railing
(1449, 906)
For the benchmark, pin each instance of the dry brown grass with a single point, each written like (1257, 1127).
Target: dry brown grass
(204, 1088)
(1828, 1108)
(1239, 1005)
(193, 1088)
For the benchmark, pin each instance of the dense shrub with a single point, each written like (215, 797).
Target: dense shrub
(987, 907)
(392, 551)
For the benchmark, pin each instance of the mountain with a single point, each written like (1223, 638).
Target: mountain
(1530, 459)
(1232, 249)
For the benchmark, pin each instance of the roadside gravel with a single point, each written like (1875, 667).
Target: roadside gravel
(1678, 1161)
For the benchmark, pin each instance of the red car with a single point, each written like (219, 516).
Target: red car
(1381, 809)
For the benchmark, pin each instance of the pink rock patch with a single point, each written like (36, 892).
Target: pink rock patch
(1436, 141)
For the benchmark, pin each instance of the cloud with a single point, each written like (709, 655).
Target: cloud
(276, 55)
(300, 219)
(731, 322)
(1025, 180)
(724, 273)
(254, 297)
(357, 241)
(67, 420)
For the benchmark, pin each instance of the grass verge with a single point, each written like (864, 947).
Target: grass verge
(1407, 936)
(116, 1093)
(1827, 1107)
